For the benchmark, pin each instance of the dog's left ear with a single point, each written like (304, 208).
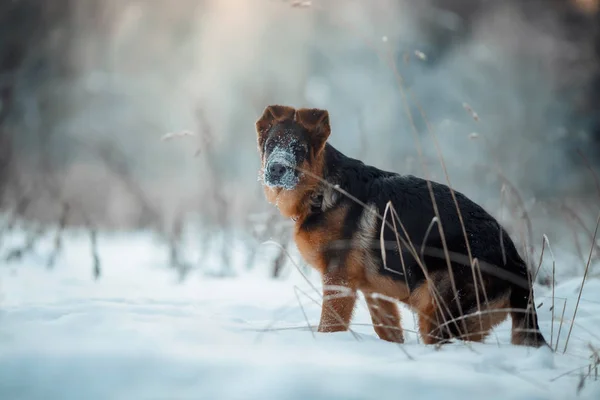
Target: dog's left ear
(316, 122)
(272, 115)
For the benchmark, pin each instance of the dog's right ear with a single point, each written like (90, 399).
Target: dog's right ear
(272, 115)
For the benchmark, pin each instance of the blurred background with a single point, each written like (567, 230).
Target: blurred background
(129, 115)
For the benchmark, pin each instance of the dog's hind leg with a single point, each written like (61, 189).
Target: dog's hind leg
(423, 303)
(525, 328)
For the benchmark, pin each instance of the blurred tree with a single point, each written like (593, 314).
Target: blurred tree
(32, 41)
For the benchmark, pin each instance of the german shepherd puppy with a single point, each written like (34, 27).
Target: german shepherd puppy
(378, 232)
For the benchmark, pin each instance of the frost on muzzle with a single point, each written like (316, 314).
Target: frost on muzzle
(281, 168)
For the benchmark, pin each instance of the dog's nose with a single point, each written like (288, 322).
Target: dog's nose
(277, 170)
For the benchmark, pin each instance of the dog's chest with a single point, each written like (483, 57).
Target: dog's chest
(310, 247)
(318, 235)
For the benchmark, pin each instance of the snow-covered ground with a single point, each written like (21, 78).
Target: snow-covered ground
(139, 334)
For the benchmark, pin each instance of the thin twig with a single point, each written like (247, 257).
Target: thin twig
(96, 269)
(553, 294)
(296, 290)
(58, 237)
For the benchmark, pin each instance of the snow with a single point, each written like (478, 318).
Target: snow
(282, 153)
(137, 333)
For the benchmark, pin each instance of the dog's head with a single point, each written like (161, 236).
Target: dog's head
(290, 142)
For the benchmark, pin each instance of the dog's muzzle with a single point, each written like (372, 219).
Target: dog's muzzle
(280, 170)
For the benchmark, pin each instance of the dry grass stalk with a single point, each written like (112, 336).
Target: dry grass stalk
(471, 111)
(301, 3)
(587, 267)
(177, 135)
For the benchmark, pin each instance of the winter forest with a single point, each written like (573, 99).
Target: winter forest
(139, 258)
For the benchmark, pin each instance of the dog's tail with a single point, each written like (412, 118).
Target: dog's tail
(525, 328)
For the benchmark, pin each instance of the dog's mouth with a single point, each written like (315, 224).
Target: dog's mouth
(280, 171)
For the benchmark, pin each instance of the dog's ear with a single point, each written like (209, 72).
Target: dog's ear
(316, 122)
(272, 115)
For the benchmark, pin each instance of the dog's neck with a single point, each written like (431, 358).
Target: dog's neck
(299, 203)
(315, 194)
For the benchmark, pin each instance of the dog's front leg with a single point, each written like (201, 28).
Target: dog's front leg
(386, 318)
(339, 298)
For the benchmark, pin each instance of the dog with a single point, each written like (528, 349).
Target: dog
(395, 238)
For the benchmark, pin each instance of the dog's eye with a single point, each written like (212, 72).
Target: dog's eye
(269, 146)
(300, 148)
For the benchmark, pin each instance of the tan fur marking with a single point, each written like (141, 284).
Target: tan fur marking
(386, 318)
(478, 326)
(491, 315)
(339, 299)
(312, 244)
(356, 268)
(422, 302)
(420, 298)
(387, 287)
